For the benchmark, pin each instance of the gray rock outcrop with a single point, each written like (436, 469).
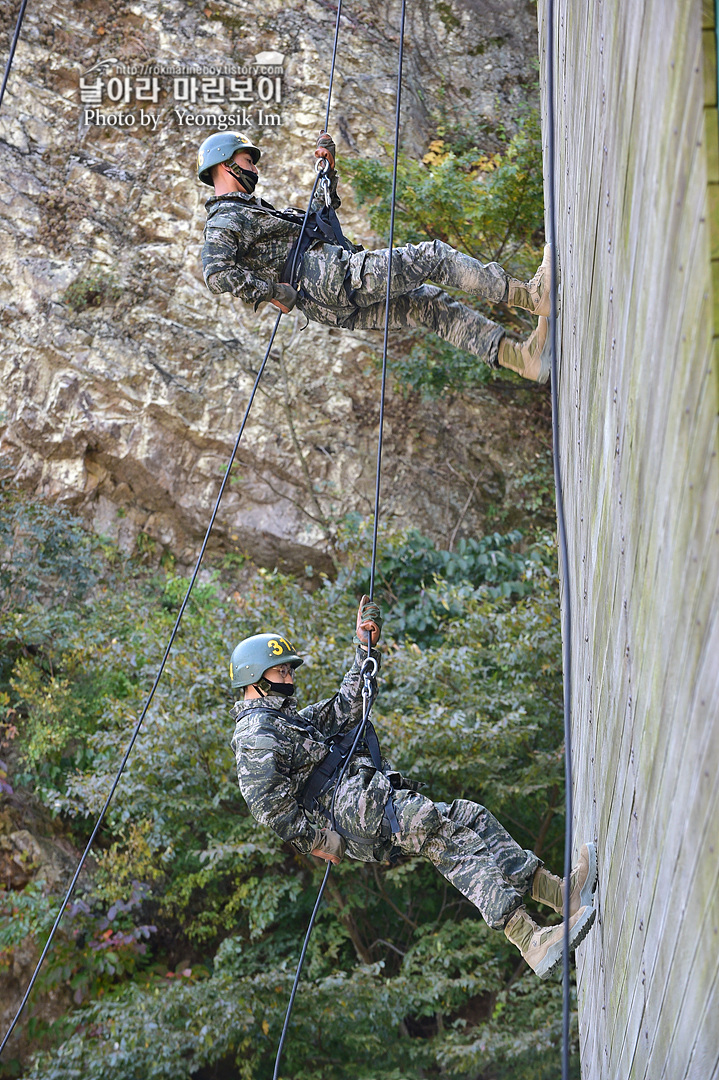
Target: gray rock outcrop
(124, 380)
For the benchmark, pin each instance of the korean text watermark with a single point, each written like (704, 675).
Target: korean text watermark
(189, 95)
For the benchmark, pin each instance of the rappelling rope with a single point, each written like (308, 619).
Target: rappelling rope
(369, 666)
(138, 725)
(173, 635)
(387, 302)
(332, 65)
(369, 670)
(563, 547)
(13, 46)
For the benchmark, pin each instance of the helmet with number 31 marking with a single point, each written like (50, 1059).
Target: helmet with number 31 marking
(255, 655)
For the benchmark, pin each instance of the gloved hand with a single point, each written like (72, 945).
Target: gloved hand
(368, 619)
(284, 296)
(326, 148)
(328, 845)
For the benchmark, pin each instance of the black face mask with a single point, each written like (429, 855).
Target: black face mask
(247, 179)
(285, 689)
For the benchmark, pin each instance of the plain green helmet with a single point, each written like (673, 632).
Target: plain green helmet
(255, 655)
(220, 147)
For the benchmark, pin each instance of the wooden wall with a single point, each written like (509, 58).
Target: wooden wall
(637, 179)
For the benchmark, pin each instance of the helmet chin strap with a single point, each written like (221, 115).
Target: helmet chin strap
(243, 176)
(265, 686)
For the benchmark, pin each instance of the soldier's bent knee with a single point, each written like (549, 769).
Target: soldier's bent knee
(418, 820)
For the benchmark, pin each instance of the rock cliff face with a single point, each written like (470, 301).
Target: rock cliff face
(123, 379)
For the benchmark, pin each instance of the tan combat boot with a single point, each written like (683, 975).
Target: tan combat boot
(543, 947)
(529, 358)
(549, 889)
(534, 295)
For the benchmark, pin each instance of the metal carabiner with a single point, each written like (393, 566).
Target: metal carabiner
(322, 166)
(369, 668)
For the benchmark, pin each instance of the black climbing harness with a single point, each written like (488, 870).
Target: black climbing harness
(368, 672)
(317, 227)
(340, 748)
(323, 226)
(327, 773)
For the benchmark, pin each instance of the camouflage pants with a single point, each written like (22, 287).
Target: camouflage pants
(346, 289)
(462, 840)
(480, 858)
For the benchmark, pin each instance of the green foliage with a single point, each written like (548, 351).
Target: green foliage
(534, 491)
(95, 948)
(43, 552)
(400, 968)
(423, 587)
(48, 564)
(487, 205)
(433, 367)
(342, 1027)
(92, 289)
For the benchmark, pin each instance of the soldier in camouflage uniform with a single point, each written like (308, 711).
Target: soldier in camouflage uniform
(247, 244)
(278, 748)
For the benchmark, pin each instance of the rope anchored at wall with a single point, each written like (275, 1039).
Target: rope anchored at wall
(563, 545)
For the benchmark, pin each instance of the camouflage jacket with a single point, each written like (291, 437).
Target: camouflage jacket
(246, 244)
(275, 756)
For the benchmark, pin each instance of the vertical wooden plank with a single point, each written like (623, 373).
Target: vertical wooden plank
(638, 240)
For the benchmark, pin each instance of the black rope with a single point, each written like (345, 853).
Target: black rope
(387, 301)
(170, 643)
(366, 707)
(13, 46)
(302, 230)
(332, 65)
(367, 694)
(563, 547)
(138, 725)
(300, 965)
